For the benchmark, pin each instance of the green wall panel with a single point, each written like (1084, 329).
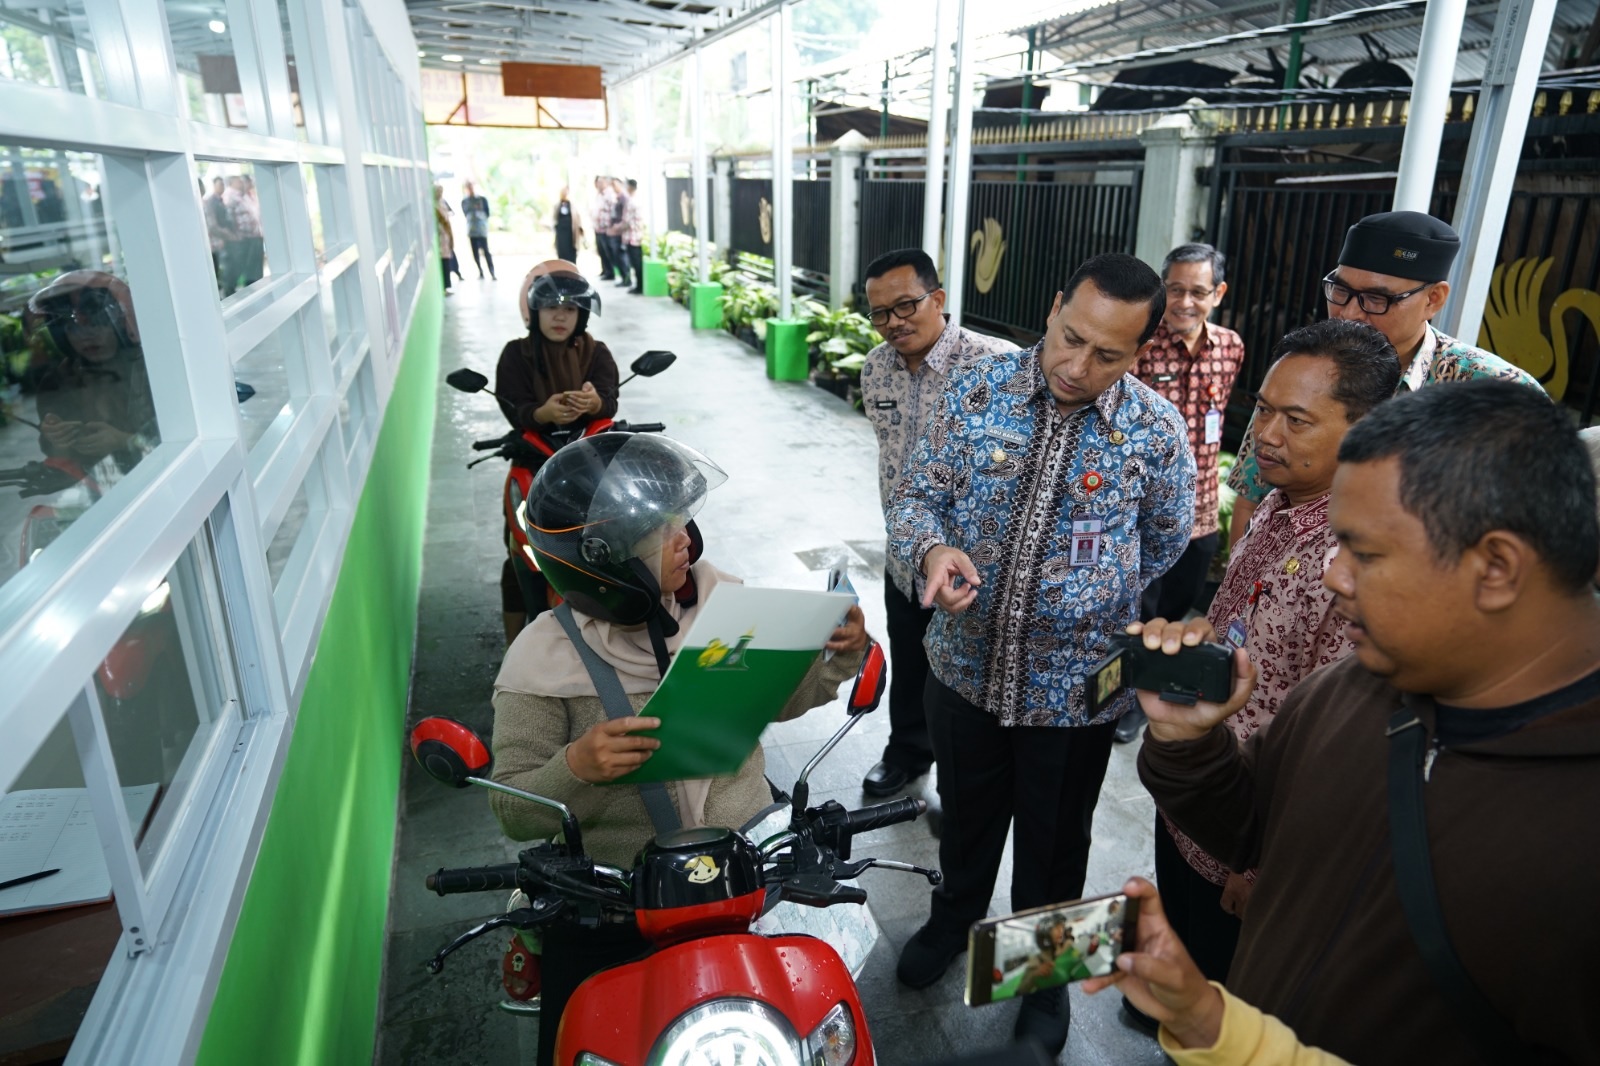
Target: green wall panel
(301, 980)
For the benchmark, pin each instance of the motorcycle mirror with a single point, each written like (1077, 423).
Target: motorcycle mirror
(449, 751)
(866, 693)
(465, 380)
(652, 363)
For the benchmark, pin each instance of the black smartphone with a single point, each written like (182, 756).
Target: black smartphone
(1045, 947)
(1203, 672)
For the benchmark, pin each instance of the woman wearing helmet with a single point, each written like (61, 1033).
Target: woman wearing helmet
(556, 377)
(610, 519)
(94, 394)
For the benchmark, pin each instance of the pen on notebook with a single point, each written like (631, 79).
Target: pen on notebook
(15, 881)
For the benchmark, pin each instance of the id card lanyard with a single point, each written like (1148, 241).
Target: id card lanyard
(1213, 434)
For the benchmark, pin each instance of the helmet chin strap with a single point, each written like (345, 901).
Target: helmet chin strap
(660, 625)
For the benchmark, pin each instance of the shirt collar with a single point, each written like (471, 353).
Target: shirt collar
(1030, 377)
(1306, 518)
(1416, 374)
(1170, 341)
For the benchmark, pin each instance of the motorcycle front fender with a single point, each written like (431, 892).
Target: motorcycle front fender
(800, 977)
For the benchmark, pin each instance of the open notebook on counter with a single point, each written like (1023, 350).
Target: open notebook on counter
(53, 829)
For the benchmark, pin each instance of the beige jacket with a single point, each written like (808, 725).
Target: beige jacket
(531, 734)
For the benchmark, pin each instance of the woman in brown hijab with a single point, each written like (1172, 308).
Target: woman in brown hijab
(558, 377)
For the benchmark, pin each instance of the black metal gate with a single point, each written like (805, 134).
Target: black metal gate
(681, 207)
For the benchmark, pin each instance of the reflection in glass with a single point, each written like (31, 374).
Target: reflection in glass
(232, 211)
(202, 45)
(298, 93)
(314, 210)
(263, 369)
(165, 686)
(51, 45)
(76, 411)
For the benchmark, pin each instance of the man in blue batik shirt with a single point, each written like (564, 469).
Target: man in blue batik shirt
(1050, 487)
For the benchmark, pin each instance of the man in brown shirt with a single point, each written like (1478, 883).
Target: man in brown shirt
(1468, 541)
(1191, 362)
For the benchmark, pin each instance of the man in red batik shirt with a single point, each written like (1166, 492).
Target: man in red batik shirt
(1191, 362)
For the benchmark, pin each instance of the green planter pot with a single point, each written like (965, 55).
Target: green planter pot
(655, 277)
(705, 305)
(788, 355)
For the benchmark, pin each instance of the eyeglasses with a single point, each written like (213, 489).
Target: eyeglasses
(1178, 292)
(879, 316)
(1373, 303)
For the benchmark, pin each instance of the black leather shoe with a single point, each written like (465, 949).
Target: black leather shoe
(1130, 725)
(927, 955)
(885, 779)
(1046, 1018)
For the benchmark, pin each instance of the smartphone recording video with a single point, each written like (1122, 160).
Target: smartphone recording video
(1046, 947)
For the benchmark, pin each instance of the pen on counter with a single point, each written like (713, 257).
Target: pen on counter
(15, 881)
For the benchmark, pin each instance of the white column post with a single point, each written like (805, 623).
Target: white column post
(782, 165)
(955, 243)
(938, 111)
(698, 125)
(845, 157)
(723, 170)
(1510, 79)
(1174, 149)
(1436, 66)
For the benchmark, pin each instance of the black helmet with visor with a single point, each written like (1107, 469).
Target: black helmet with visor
(598, 514)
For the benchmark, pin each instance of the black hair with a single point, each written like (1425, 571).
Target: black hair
(1476, 456)
(1124, 279)
(1197, 253)
(915, 258)
(1368, 367)
(632, 184)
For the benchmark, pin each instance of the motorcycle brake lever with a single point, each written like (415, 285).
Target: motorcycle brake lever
(849, 871)
(436, 963)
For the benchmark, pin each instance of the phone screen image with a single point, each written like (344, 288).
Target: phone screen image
(1046, 948)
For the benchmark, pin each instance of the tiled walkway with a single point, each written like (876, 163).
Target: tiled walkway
(801, 489)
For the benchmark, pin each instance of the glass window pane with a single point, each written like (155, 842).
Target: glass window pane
(76, 411)
(314, 210)
(342, 317)
(167, 685)
(289, 555)
(301, 92)
(51, 44)
(231, 207)
(261, 381)
(208, 73)
(353, 409)
(54, 953)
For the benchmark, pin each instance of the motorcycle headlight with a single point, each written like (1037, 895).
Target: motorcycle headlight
(833, 1041)
(729, 1032)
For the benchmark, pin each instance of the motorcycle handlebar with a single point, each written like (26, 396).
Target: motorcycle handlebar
(486, 445)
(473, 879)
(883, 814)
(642, 427)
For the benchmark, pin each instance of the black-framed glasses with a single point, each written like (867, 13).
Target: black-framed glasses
(1373, 303)
(1178, 292)
(879, 316)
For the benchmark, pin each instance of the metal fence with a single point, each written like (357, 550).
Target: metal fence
(813, 224)
(752, 216)
(681, 206)
(892, 192)
(1281, 221)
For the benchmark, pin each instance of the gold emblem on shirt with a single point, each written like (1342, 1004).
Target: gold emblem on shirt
(1291, 567)
(1117, 436)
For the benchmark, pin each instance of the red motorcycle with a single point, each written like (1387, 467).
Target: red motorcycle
(709, 990)
(527, 449)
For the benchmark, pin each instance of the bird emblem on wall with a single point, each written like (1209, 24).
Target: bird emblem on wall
(764, 215)
(1512, 327)
(686, 207)
(987, 248)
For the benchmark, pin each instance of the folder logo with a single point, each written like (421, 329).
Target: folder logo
(720, 656)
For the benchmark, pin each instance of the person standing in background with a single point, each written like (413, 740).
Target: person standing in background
(475, 209)
(619, 226)
(447, 243)
(633, 237)
(600, 212)
(568, 227)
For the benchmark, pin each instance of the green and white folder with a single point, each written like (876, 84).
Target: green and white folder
(748, 651)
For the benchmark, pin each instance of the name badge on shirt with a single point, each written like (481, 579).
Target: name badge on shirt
(886, 405)
(1087, 534)
(1213, 426)
(1237, 633)
(1163, 379)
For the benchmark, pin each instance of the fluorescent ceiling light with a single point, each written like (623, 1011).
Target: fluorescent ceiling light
(451, 58)
(487, 62)
(218, 26)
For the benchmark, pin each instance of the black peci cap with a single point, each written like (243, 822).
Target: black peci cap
(1402, 244)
